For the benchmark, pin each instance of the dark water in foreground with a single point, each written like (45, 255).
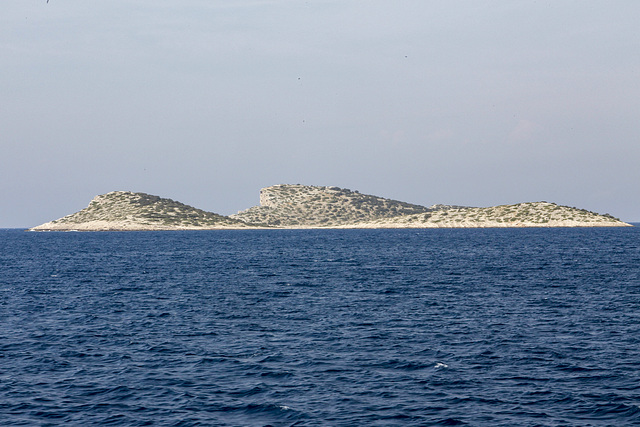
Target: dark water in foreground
(493, 327)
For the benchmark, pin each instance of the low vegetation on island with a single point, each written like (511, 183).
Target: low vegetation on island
(311, 206)
(303, 206)
(124, 210)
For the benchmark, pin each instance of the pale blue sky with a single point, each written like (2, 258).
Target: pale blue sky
(460, 102)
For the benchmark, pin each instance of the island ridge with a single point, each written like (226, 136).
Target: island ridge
(304, 206)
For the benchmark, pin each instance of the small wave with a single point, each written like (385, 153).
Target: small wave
(250, 392)
(450, 422)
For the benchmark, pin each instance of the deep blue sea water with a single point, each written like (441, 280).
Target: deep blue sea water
(479, 327)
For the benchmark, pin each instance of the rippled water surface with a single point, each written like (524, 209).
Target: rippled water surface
(495, 327)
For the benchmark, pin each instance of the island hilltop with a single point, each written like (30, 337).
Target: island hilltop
(124, 210)
(303, 206)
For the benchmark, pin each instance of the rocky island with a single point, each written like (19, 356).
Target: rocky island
(304, 206)
(124, 210)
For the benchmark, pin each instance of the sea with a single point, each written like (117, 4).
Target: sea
(431, 327)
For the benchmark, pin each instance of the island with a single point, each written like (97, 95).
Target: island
(128, 211)
(307, 207)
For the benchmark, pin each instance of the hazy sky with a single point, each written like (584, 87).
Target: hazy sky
(458, 102)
